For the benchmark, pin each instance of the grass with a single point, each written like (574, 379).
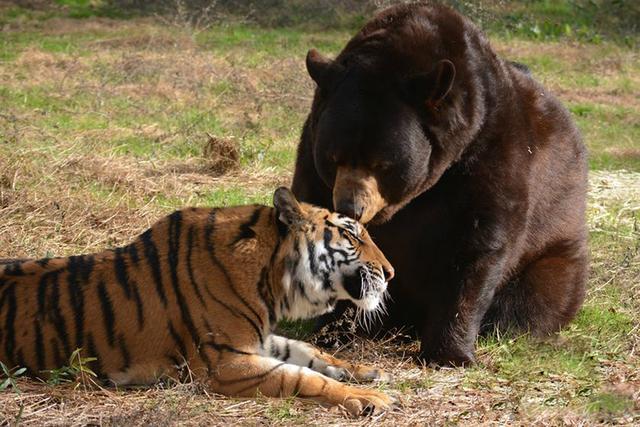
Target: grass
(104, 127)
(585, 20)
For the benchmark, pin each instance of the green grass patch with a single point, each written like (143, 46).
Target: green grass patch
(544, 64)
(141, 147)
(224, 196)
(16, 14)
(523, 358)
(604, 325)
(609, 403)
(233, 196)
(585, 20)
(611, 134)
(14, 43)
(258, 45)
(282, 411)
(296, 329)
(598, 335)
(82, 9)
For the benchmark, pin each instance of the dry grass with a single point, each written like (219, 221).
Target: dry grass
(578, 73)
(93, 202)
(427, 396)
(110, 125)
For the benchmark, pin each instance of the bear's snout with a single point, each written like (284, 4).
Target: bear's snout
(356, 194)
(350, 207)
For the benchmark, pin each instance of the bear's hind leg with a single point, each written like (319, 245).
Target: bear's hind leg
(545, 296)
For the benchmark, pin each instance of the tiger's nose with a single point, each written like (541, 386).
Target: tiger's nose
(350, 208)
(389, 272)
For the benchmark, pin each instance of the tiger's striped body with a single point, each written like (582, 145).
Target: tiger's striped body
(202, 287)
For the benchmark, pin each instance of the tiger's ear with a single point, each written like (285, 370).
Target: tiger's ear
(288, 209)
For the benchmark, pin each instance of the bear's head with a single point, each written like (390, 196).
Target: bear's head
(395, 109)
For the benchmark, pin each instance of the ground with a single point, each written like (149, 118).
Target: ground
(108, 124)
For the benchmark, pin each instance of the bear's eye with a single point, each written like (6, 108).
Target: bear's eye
(382, 165)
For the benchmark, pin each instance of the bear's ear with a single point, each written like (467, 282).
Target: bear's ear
(319, 67)
(432, 87)
(288, 209)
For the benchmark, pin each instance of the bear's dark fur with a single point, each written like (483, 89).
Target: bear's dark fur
(471, 175)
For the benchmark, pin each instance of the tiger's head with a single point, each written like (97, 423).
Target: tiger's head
(327, 257)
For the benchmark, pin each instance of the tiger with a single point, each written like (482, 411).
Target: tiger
(204, 288)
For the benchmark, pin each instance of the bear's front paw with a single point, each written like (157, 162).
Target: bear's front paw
(453, 356)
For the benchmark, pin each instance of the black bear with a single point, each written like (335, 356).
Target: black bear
(470, 175)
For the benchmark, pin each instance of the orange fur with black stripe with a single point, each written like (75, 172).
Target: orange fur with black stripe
(203, 287)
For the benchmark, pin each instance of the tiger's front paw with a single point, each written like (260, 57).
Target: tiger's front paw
(359, 373)
(365, 373)
(338, 374)
(367, 402)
